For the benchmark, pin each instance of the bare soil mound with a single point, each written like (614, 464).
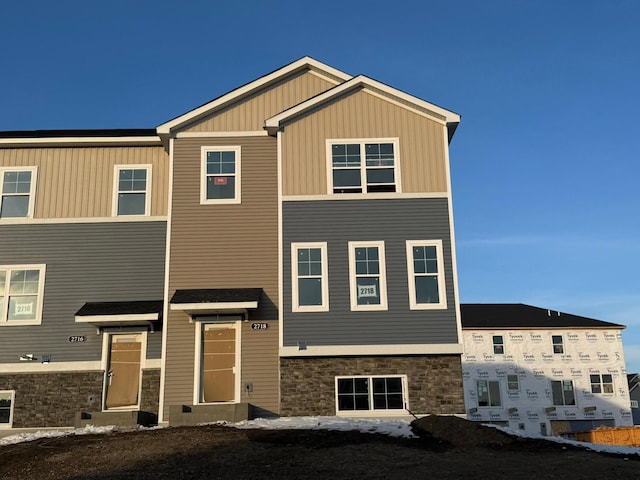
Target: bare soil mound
(457, 432)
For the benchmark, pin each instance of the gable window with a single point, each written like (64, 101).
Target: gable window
(488, 393)
(367, 394)
(498, 345)
(6, 408)
(513, 383)
(21, 293)
(132, 190)
(367, 273)
(558, 345)
(17, 192)
(310, 290)
(601, 383)
(220, 175)
(426, 275)
(363, 166)
(562, 391)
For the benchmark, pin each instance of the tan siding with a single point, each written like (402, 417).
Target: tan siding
(250, 113)
(260, 366)
(362, 115)
(223, 246)
(78, 182)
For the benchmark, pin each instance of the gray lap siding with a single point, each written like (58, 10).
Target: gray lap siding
(85, 262)
(393, 221)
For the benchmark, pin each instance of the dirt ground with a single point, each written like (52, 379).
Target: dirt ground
(447, 448)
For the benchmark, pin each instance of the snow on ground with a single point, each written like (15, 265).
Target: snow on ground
(394, 428)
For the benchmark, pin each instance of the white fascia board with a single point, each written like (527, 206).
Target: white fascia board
(195, 307)
(147, 317)
(360, 80)
(79, 141)
(341, 350)
(165, 128)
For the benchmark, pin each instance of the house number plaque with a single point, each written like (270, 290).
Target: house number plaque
(77, 339)
(259, 326)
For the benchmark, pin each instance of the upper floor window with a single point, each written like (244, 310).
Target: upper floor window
(17, 192)
(601, 383)
(21, 294)
(367, 273)
(310, 289)
(363, 166)
(513, 383)
(562, 391)
(220, 175)
(132, 190)
(558, 345)
(498, 345)
(426, 274)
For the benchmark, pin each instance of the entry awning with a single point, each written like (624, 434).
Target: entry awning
(215, 300)
(121, 314)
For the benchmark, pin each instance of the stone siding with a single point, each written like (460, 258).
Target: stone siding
(53, 399)
(307, 385)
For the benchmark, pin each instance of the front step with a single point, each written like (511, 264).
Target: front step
(123, 418)
(196, 414)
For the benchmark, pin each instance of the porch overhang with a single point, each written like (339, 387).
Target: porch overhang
(121, 314)
(211, 301)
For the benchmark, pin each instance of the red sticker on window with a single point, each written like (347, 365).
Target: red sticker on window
(220, 180)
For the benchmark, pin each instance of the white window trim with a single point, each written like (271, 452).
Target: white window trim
(372, 411)
(32, 189)
(554, 344)
(203, 175)
(116, 189)
(5, 310)
(353, 285)
(295, 303)
(106, 346)
(413, 304)
(363, 167)
(11, 410)
(197, 371)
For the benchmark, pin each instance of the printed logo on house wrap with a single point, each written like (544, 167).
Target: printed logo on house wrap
(556, 372)
(470, 358)
(535, 338)
(532, 415)
(603, 357)
(591, 337)
(575, 372)
(482, 373)
(516, 337)
(609, 337)
(532, 394)
(584, 357)
(477, 337)
(488, 357)
(572, 337)
(538, 373)
(529, 357)
(547, 357)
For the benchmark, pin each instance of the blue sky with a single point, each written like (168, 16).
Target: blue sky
(544, 163)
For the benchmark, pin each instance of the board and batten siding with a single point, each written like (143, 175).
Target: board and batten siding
(361, 115)
(77, 182)
(85, 262)
(249, 113)
(391, 221)
(223, 246)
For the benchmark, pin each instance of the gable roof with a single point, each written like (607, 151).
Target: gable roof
(305, 63)
(519, 315)
(447, 117)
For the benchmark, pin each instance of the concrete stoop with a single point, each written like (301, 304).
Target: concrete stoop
(122, 418)
(196, 414)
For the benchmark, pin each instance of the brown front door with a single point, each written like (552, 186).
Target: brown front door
(123, 372)
(218, 363)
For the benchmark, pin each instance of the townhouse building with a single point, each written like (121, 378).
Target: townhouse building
(284, 249)
(542, 371)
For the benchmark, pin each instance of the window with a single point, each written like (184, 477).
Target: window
(488, 393)
(363, 166)
(132, 190)
(558, 346)
(513, 383)
(220, 175)
(21, 292)
(6, 408)
(498, 345)
(601, 383)
(367, 274)
(562, 391)
(309, 283)
(17, 192)
(426, 275)
(366, 394)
